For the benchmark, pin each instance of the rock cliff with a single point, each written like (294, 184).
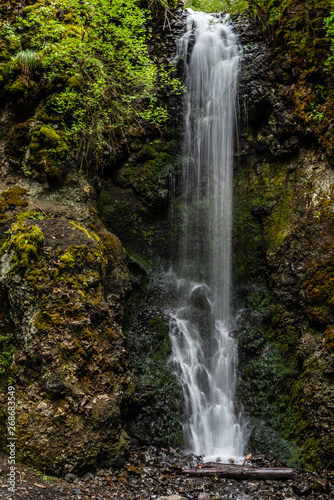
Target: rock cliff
(283, 239)
(70, 292)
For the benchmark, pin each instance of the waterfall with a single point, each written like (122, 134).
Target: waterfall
(203, 349)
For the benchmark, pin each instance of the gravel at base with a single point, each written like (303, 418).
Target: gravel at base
(151, 473)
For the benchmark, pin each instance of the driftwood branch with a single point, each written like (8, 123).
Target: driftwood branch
(240, 472)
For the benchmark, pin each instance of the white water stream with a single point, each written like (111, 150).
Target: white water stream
(203, 348)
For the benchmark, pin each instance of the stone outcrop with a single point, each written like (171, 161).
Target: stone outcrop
(64, 285)
(283, 239)
(68, 289)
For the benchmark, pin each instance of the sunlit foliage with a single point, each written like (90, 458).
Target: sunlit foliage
(94, 54)
(229, 6)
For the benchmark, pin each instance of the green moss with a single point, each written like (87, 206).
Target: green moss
(263, 209)
(44, 320)
(7, 349)
(160, 352)
(29, 214)
(318, 451)
(79, 257)
(46, 150)
(44, 136)
(25, 242)
(149, 179)
(75, 81)
(39, 148)
(23, 90)
(12, 198)
(90, 234)
(67, 261)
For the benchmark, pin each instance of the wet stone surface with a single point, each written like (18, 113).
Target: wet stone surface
(152, 473)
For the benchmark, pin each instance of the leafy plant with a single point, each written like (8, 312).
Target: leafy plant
(94, 60)
(269, 14)
(26, 60)
(329, 25)
(321, 91)
(6, 351)
(7, 30)
(230, 6)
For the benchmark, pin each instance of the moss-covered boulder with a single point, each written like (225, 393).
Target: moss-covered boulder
(38, 149)
(63, 286)
(134, 197)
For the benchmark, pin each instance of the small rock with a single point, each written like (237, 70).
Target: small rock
(306, 491)
(248, 457)
(70, 478)
(203, 496)
(88, 477)
(133, 470)
(142, 457)
(100, 473)
(172, 497)
(296, 490)
(321, 486)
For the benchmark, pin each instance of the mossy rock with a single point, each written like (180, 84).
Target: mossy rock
(65, 284)
(40, 150)
(157, 408)
(24, 243)
(22, 89)
(18, 140)
(46, 152)
(149, 178)
(75, 82)
(44, 136)
(11, 199)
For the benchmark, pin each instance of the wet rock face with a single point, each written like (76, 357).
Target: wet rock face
(283, 254)
(64, 285)
(155, 412)
(135, 190)
(302, 267)
(268, 122)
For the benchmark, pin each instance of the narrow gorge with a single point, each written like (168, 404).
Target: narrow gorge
(166, 231)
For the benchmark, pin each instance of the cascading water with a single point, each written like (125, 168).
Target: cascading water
(202, 346)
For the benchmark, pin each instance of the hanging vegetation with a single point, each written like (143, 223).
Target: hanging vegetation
(91, 62)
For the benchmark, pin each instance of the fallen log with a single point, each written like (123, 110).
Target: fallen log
(240, 472)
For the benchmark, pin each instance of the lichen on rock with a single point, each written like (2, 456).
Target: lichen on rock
(283, 253)
(64, 284)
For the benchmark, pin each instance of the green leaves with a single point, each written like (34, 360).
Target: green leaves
(329, 24)
(230, 6)
(94, 59)
(7, 349)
